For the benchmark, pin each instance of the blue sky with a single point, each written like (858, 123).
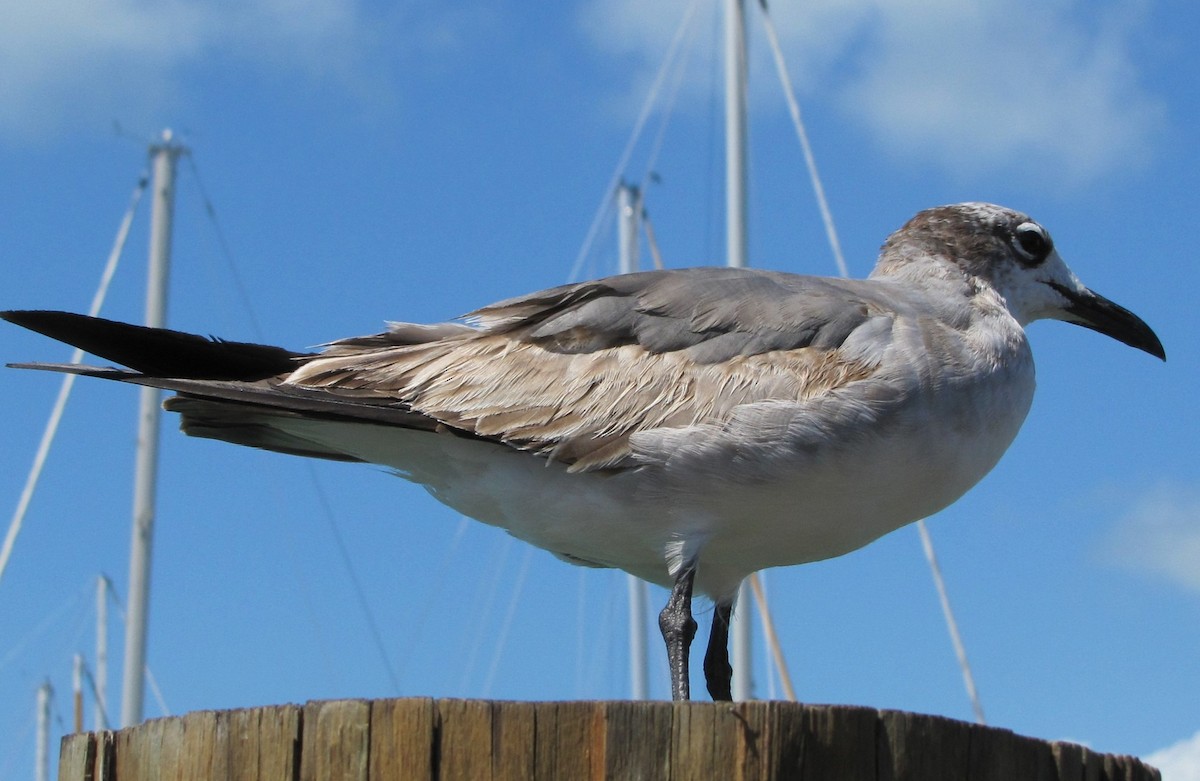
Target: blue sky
(369, 162)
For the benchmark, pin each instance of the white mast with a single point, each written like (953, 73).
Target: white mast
(735, 133)
(629, 210)
(165, 154)
(101, 677)
(77, 692)
(638, 665)
(736, 244)
(629, 213)
(42, 767)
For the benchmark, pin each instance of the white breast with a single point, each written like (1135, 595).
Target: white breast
(783, 483)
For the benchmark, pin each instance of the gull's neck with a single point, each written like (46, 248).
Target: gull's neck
(968, 302)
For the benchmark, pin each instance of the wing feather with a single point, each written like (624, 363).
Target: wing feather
(571, 373)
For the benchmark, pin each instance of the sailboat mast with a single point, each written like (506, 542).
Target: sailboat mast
(77, 692)
(737, 250)
(101, 676)
(736, 245)
(629, 211)
(165, 154)
(42, 766)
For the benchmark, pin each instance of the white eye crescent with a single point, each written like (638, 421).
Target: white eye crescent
(1032, 243)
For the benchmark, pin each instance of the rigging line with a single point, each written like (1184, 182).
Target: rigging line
(303, 590)
(773, 675)
(502, 635)
(490, 589)
(436, 586)
(794, 109)
(330, 517)
(359, 592)
(652, 240)
(606, 646)
(835, 245)
(91, 681)
(960, 650)
(150, 679)
(609, 638)
(244, 298)
(157, 692)
(21, 739)
(712, 200)
(45, 624)
(768, 624)
(649, 175)
(86, 622)
(56, 710)
(643, 116)
(667, 111)
(68, 381)
(223, 244)
(598, 650)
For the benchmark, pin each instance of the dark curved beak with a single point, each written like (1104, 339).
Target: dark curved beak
(1096, 312)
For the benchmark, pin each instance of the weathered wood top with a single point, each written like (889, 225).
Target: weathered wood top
(424, 738)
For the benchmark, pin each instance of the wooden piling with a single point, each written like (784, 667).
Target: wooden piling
(448, 740)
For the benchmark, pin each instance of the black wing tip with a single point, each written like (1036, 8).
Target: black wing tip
(54, 323)
(32, 318)
(1154, 346)
(158, 352)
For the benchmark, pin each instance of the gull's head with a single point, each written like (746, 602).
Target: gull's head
(1016, 257)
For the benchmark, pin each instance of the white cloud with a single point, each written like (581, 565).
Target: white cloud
(72, 62)
(988, 85)
(1160, 535)
(60, 56)
(1179, 762)
(814, 35)
(972, 87)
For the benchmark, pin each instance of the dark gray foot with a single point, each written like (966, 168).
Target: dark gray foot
(678, 628)
(718, 674)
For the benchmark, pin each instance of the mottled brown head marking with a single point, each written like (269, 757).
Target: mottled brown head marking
(979, 238)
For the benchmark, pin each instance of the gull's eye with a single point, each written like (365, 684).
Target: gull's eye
(1031, 243)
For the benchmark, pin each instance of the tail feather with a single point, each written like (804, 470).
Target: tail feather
(231, 391)
(159, 352)
(246, 425)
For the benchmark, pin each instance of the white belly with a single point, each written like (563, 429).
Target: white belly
(740, 516)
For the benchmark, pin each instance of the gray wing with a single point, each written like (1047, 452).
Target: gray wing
(572, 372)
(713, 314)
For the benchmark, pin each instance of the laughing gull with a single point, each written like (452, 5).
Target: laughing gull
(688, 426)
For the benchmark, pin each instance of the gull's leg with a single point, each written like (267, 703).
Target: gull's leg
(678, 628)
(718, 675)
